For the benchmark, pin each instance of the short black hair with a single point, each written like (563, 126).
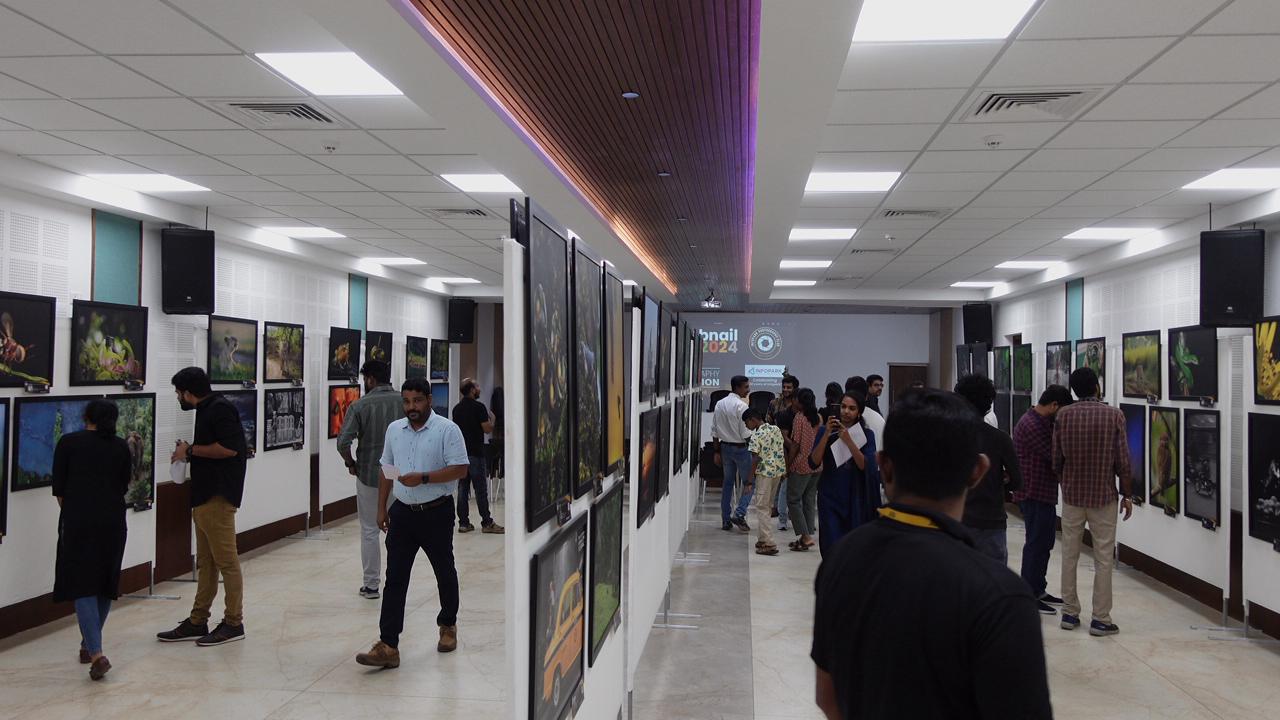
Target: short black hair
(978, 390)
(467, 386)
(931, 437)
(872, 378)
(738, 381)
(1055, 394)
(791, 379)
(856, 383)
(103, 414)
(193, 380)
(1084, 382)
(752, 414)
(377, 370)
(421, 385)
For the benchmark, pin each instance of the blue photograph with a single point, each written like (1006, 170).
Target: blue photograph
(41, 423)
(440, 399)
(246, 402)
(1135, 423)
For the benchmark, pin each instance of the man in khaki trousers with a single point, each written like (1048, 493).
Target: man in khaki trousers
(1089, 453)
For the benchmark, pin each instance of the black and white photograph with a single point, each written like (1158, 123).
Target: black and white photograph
(1262, 499)
(1202, 448)
(284, 417)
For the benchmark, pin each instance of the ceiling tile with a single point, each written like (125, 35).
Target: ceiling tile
(1217, 59)
(1245, 17)
(1072, 63)
(1169, 180)
(1170, 102)
(162, 114)
(1270, 158)
(315, 214)
(842, 200)
(273, 198)
(853, 161)
(377, 211)
(1230, 133)
(241, 212)
(316, 142)
(377, 234)
(872, 66)
(824, 213)
(30, 142)
(211, 199)
(434, 200)
(991, 213)
(383, 113)
(122, 142)
(422, 142)
(405, 183)
(212, 76)
(851, 107)
(371, 164)
(224, 142)
(1107, 18)
(1203, 197)
(19, 36)
(930, 198)
(56, 115)
(183, 164)
(1046, 180)
(441, 164)
(11, 89)
(1265, 104)
(1013, 136)
(1055, 160)
(81, 77)
(1177, 212)
(1134, 134)
(966, 160)
(876, 137)
(276, 164)
(233, 183)
(342, 222)
(946, 181)
(1091, 212)
(352, 198)
(1130, 198)
(257, 26)
(311, 183)
(1029, 198)
(1162, 159)
(85, 164)
(123, 26)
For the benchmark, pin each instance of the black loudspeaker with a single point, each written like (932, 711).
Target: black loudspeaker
(186, 271)
(977, 323)
(462, 320)
(1231, 276)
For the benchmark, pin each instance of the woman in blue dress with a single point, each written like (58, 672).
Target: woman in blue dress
(849, 487)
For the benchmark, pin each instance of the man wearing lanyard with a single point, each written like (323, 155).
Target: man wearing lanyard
(423, 457)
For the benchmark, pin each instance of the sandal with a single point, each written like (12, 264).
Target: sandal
(767, 550)
(799, 546)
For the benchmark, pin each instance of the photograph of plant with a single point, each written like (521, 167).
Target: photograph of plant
(547, 273)
(108, 343)
(1140, 364)
(26, 339)
(1193, 363)
(282, 353)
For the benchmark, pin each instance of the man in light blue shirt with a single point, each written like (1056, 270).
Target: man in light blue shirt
(423, 457)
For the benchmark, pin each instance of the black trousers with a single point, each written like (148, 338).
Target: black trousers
(429, 530)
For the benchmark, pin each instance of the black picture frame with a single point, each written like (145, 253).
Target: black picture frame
(1002, 368)
(647, 468)
(616, 361)
(548, 364)
(378, 346)
(439, 360)
(588, 370)
(226, 338)
(1266, 362)
(664, 351)
(93, 325)
(340, 400)
(1137, 363)
(664, 451)
(606, 560)
(680, 434)
(561, 565)
(1202, 465)
(283, 335)
(1099, 365)
(343, 360)
(1058, 360)
(26, 339)
(34, 446)
(649, 315)
(1193, 363)
(141, 439)
(246, 404)
(284, 418)
(1263, 486)
(440, 399)
(417, 358)
(1166, 494)
(6, 416)
(1022, 369)
(1135, 429)
(1003, 408)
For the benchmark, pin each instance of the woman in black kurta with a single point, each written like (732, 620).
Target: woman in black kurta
(91, 472)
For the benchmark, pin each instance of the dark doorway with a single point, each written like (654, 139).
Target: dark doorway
(901, 376)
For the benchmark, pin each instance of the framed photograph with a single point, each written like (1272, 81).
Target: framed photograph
(1163, 458)
(547, 475)
(26, 339)
(341, 397)
(233, 350)
(1202, 448)
(648, 475)
(558, 621)
(615, 375)
(1092, 353)
(416, 353)
(246, 402)
(964, 363)
(1003, 408)
(440, 399)
(979, 360)
(1266, 364)
(1135, 432)
(606, 568)
(679, 435)
(4, 468)
(1002, 361)
(108, 343)
(588, 368)
(282, 358)
(377, 346)
(1140, 364)
(1193, 363)
(1019, 405)
(648, 349)
(285, 418)
(1263, 498)
(440, 360)
(695, 444)
(1057, 364)
(137, 426)
(39, 422)
(664, 351)
(1022, 369)
(664, 452)
(344, 354)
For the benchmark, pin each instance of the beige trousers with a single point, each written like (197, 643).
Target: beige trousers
(1102, 525)
(765, 491)
(217, 552)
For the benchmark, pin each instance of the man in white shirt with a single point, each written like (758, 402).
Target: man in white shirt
(874, 420)
(729, 436)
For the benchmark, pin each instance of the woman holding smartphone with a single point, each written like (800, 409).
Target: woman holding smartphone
(849, 486)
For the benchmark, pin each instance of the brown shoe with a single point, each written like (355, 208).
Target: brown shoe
(99, 668)
(448, 638)
(85, 657)
(493, 528)
(380, 655)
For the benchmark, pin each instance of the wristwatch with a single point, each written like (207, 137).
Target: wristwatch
(190, 452)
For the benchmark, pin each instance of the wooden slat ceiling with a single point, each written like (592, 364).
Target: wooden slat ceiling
(559, 67)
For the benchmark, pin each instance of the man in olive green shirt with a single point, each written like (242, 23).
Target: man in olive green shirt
(367, 420)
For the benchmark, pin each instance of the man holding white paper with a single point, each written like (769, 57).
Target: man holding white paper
(423, 457)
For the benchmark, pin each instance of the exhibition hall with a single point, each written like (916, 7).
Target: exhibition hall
(725, 359)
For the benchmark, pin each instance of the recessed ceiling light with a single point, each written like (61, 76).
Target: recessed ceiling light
(1027, 264)
(851, 181)
(975, 284)
(630, 94)
(822, 233)
(1107, 233)
(456, 280)
(664, 173)
(804, 264)
(395, 260)
(149, 182)
(794, 283)
(1238, 179)
(481, 183)
(305, 233)
(922, 20)
(330, 73)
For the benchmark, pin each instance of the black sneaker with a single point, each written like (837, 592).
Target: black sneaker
(222, 635)
(369, 593)
(1097, 628)
(1045, 608)
(1051, 600)
(727, 525)
(742, 525)
(466, 527)
(186, 630)
(1069, 622)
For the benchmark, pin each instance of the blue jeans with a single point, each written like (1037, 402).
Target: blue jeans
(477, 476)
(1041, 521)
(736, 462)
(91, 613)
(992, 543)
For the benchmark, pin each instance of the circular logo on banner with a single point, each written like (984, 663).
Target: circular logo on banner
(766, 343)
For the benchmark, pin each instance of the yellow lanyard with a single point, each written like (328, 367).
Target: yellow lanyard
(907, 518)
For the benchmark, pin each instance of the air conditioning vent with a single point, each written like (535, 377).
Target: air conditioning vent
(445, 213)
(1014, 105)
(276, 114)
(914, 213)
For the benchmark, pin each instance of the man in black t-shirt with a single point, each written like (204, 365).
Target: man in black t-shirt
(910, 620)
(474, 419)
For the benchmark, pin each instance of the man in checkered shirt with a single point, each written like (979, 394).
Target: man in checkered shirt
(1089, 452)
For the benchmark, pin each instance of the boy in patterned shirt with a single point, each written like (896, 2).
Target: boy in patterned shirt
(768, 465)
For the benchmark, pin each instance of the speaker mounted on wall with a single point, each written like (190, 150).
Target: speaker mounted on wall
(462, 320)
(186, 271)
(977, 323)
(1232, 272)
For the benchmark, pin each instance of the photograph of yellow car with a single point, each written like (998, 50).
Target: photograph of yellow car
(559, 621)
